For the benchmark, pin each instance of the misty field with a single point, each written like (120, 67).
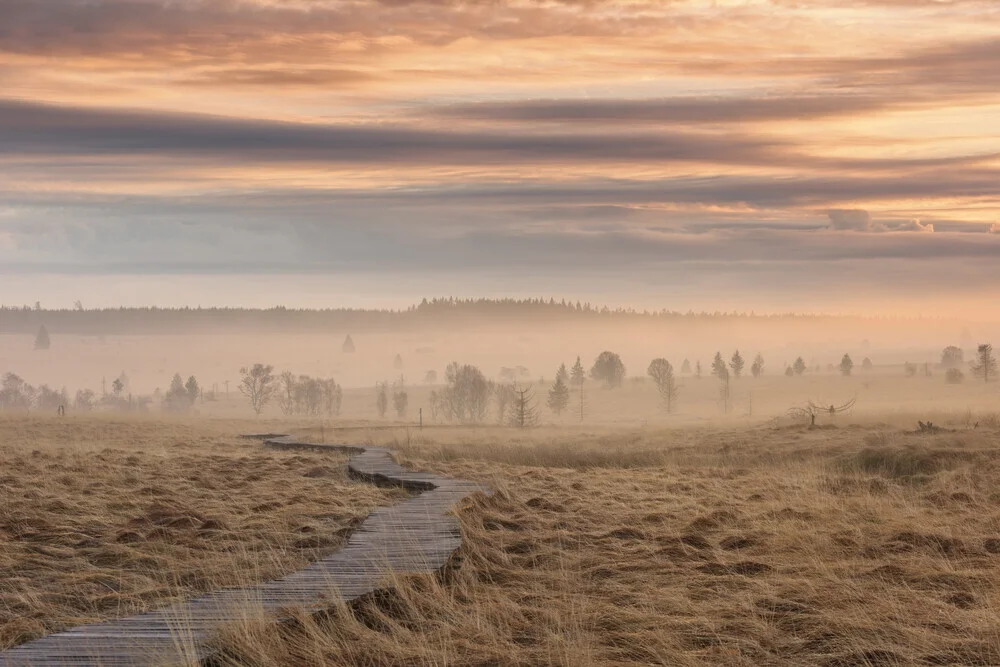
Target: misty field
(859, 542)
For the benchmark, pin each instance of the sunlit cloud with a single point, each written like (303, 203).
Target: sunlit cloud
(777, 138)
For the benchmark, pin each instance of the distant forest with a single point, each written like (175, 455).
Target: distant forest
(429, 313)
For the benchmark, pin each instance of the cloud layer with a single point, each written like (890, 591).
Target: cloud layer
(776, 140)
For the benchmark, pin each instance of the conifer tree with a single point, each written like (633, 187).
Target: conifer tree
(985, 365)
(558, 395)
(737, 364)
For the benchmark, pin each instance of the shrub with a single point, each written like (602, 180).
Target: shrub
(954, 376)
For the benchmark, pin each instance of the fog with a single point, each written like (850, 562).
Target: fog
(90, 349)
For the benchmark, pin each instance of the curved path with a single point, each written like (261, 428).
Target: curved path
(417, 535)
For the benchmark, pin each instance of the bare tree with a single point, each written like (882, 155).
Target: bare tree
(400, 399)
(257, 384)
(985, 365)
(467, 394)
(725, 393)
(662, 373)
(524, 413)
(812, 410)
(286, 395)
(381, 398)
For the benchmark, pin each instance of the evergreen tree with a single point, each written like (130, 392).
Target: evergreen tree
(985, 365)
(577, 374)
(846, 365)
(719, 366)
(192, 389)
(686, 367)
(562, 374)
(757, 369)
(558, 395)
(799, 366)
(348, 346)
(737, 364)
(42, 341)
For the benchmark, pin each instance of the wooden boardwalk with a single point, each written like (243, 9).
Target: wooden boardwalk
(417, 535)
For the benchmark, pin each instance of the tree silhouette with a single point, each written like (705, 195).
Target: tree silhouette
(381, 399)
(686, 367)
(192, 389)
(757, 369)
(257, 385)
(719, 366)
(524, 413)
(697, 370)
(867, 365)
(952, 357)
(577, 374)
(348, 346)
(558, 395)
(609, 369)
(799, 366)
(400, 399)
(42, 341)
(662, 373)
(846, 365)
(985, 365)
(562, 373)
(736, 364)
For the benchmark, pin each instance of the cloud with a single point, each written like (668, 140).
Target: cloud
(730, 109)
(860, 220)
(38, 129)
(913, 225)
(850, 219)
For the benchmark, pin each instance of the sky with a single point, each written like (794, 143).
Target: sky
(768, 155)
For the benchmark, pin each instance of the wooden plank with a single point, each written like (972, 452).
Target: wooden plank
(416, 536)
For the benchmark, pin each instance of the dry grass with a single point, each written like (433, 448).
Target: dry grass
(851, 544)
(859, 545)
(104, 517)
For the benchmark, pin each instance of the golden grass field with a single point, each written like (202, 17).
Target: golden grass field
(854, 544)
(103, 516)
(741, 542)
